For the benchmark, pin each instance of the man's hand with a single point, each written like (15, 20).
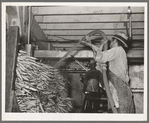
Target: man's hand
(83, 42)
(101, 46)
(86, 43)
(104, 66)
(88, 38)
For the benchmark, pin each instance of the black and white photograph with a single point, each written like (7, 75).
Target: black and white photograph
(74, 61)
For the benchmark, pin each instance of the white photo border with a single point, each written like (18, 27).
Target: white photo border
(71, 116)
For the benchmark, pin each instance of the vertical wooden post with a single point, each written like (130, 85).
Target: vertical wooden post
(11, 58)
(28, 45)
(29, 25)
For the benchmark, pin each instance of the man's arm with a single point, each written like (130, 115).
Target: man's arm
(88, 43)
(108, 55)
(94, 48)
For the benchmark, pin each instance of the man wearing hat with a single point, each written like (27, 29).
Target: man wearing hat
(118, 68)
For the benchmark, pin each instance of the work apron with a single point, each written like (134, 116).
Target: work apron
(125, 97)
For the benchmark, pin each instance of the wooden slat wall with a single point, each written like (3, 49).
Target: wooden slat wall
(82, 9)
(65, 26)
(73, 22)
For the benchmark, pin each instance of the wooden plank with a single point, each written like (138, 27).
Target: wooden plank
(84, 18)
(67, 45)
(80, 54)
(135, 53)
(70, 38)
(60, 54)
(75, 34)
(89, 25)
(70, 29)
(73, 9)
(89, 22)
(136, 60)
(11, 57)
(137, 44)
(88, 14)
(74, 37)
(137, 90)
(138, 25)
(71, 44)
(84, 32)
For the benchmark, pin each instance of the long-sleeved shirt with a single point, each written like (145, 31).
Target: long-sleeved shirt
(117, 59)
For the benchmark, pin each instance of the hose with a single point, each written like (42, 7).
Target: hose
(105, 79)
(58, 64)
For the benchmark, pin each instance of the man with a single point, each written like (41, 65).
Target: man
(93, 85)
(118, 69)
(93, 78)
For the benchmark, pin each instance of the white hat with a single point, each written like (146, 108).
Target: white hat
(121, 36)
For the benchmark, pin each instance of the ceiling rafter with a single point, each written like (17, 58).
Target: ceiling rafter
(86, 14)
(92, 29)
(88, 22)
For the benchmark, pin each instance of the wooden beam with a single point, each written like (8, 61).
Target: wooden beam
(70, 44)
(91, 26)
(87, 14)
(11, 58)
(61, 38)
(89, 22)
(38, 34)
(60, 54)
(81, 54)
(60, 29)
